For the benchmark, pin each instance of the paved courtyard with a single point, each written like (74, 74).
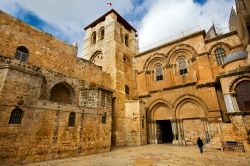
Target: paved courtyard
(155, 155)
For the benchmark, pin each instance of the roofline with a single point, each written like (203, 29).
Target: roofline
(119, 17)
(202, 32)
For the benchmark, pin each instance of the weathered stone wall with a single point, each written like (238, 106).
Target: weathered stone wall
(135, 120)
(47, 52)
(44, 132)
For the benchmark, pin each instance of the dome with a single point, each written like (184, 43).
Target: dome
(235, 56)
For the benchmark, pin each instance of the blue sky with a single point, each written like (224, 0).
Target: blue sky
(154, 19)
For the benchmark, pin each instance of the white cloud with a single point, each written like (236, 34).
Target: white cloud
(169, 17)
(163, 18)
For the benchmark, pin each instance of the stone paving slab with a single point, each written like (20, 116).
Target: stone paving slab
(155, 155)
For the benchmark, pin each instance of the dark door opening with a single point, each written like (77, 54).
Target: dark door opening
(165, 131)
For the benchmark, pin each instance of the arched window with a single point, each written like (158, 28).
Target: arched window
(126, 40)
(243, 95)
(102, 33)
(219, 55)
(62, 93)
(72, 119)
(127, 89)
(158, 72)
(22, 54)
(16, 116)
(93, 38)
(104, 118)
(182, 66)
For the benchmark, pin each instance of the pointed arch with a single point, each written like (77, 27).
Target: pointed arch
(149, 63)
(62, 93)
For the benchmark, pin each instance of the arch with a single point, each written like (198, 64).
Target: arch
(157, 104)
(72, 119)
(101, 33)
(242, 90)
(189, 98)
(97, 58)
(62, 93)
(237, 81)
(93, 38)
(219, 44)
(181, 48)
(22, 54)
(157, 57)
(16, 116)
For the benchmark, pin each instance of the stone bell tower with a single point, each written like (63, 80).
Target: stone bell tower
(110, 42)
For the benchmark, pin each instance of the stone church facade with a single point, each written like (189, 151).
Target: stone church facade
(54, 104)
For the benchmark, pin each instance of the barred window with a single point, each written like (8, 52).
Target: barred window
(159, 73)
(16, 116)
(219, 55)
(22, 54)
(104, 118)
(182, 66)
(72, 118)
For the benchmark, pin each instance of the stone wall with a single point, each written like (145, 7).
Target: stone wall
(135, 120)
(47, 52)
(44, 132)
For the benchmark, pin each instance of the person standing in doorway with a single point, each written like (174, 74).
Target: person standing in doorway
(200, 144)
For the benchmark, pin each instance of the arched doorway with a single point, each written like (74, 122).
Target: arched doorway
(62, 93)
(160, 123)
(191, 121)
(243, 95)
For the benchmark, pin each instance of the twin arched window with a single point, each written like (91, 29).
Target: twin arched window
(219, 55)
(22, 53)
(101, 34)
(182, 66)
(159, 72)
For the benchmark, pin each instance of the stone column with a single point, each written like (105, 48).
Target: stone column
(175, 131)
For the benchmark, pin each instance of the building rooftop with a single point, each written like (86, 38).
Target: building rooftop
(120, 19)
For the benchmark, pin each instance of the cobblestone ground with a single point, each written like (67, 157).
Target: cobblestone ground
(155, 155)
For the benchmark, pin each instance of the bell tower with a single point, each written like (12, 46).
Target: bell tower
(110, 42)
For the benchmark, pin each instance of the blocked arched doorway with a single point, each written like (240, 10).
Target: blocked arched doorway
(160, 123)
(191, 121)
(62, 93)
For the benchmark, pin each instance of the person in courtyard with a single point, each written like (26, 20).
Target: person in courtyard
(200, 144)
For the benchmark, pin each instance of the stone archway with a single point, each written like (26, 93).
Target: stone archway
(191, 119)
(160, 120)
(62, 93)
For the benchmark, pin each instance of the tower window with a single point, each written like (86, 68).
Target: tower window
(102, 32)
(158, 72)
(93, 38)
(126, 40)
(127, 89)
(16, 116)
(22, 54)
(72, 118)
(182, 66)
(220, 54)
